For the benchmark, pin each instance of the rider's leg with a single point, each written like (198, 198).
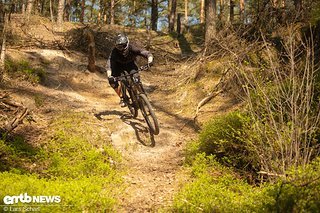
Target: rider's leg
(116, 85)
(119, 92)
(117, 88)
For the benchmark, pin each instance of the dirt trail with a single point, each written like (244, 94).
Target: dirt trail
(152, 162)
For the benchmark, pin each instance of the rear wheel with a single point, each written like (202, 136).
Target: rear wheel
(148, 114)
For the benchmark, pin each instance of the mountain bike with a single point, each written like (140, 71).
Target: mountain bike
(136, 98)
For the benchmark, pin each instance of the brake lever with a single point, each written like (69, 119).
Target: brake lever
(145, 67)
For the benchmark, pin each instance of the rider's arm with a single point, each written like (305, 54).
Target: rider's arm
(150, 58)
(144, 53)
(108, 66)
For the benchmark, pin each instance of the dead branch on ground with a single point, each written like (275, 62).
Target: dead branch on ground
(12, 113)
(218, 88)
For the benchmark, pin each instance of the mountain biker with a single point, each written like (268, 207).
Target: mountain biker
(122, 58)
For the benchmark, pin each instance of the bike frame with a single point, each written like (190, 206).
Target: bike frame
(129, 81)
(137, 98)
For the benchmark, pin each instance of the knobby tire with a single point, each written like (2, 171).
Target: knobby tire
(148, 114)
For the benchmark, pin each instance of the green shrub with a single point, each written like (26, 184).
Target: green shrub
(222, 137)
(213, 188)
(299, 192)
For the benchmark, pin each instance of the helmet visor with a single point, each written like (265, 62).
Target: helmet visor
(121, 47)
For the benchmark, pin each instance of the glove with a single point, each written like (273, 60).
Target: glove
(111, 80)
(109, 72)
(150, 60)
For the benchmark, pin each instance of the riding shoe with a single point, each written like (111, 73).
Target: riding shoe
(122, 103)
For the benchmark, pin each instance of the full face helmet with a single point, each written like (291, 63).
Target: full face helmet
(122, 43)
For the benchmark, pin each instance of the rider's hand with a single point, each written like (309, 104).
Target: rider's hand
(111, 79)
(150, 64)
(150, 61)
(109, 73)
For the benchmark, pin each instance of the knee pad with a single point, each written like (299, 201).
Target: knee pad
(114, 84)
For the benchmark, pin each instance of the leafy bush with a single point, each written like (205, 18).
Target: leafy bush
(213, 188)
(222, 137)
(299, 192)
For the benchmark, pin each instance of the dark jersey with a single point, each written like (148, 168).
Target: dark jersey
(117, 62)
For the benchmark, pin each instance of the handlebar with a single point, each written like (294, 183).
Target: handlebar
(145, 67)
(123, 77)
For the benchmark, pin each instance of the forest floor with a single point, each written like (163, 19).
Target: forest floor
(154, 162)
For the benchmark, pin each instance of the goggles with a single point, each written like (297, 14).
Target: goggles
(121, 47)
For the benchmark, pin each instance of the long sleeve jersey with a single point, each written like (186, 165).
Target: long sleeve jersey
(117, 59)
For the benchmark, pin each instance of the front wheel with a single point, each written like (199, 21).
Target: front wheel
(148, 114)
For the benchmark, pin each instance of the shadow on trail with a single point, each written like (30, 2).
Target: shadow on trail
(136, 124)
(106, 112)
(186, 122)
(140, 130)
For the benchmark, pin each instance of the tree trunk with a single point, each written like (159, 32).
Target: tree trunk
(179, 23)
(105, 19)
(172, 16)
(145, 20)
(231, 11)
(29, 9)
(210, 27)
(83, 7)
(23, 8)
(298, 5)
(112, 4)
(91, 10)
(91, 50)
(186, 20)
(3, 47)
(222, 17)
(202, 12)
(67, 10)
(51, 11)
(242, 11)
(132, 17)
(60, 11)
(104, 11)
(42, 11)
(2, 13)
(154, 15)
